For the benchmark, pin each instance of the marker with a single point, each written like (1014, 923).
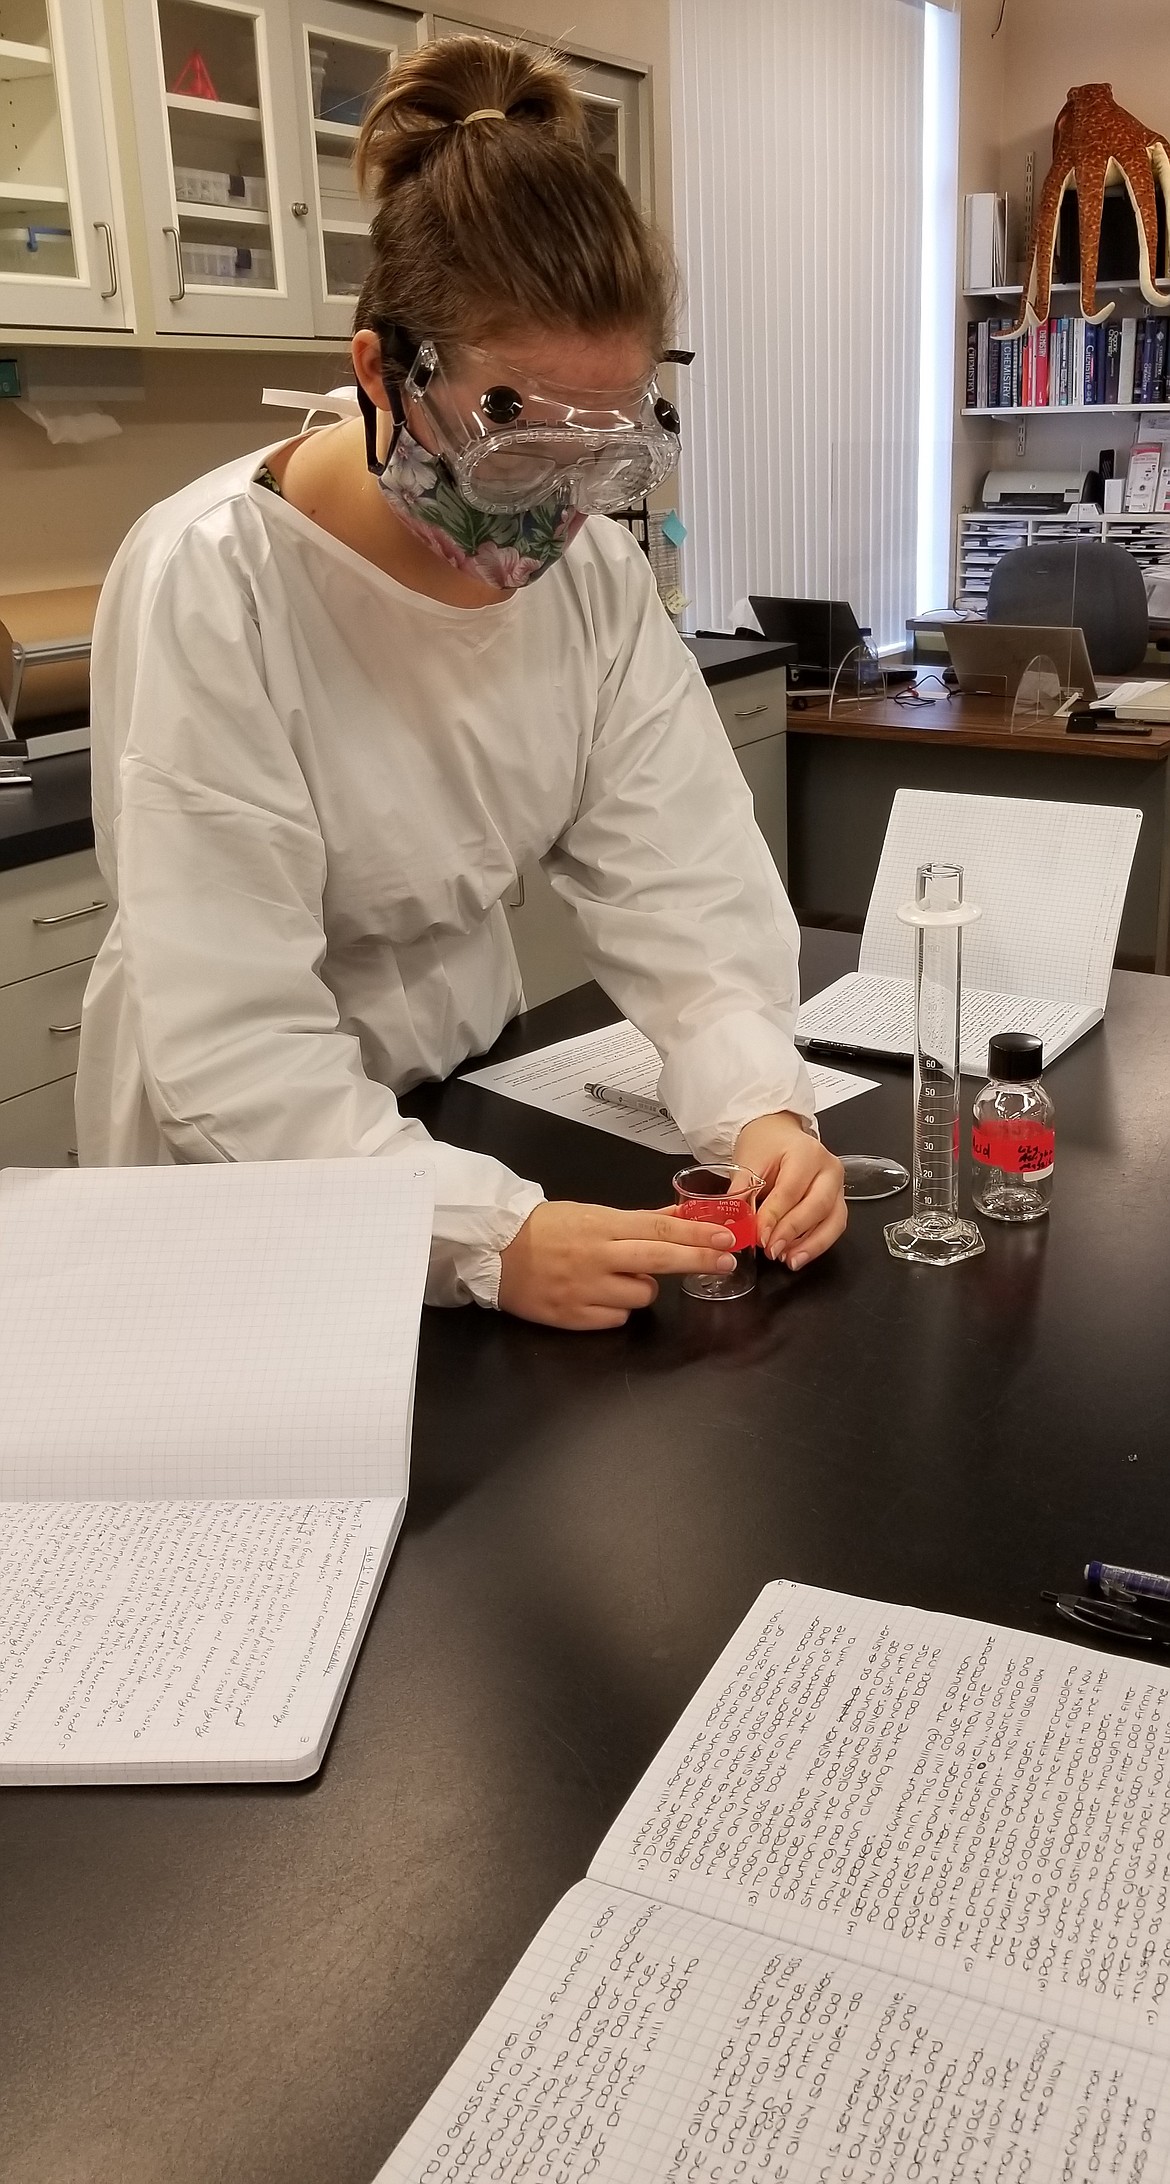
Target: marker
(610, 1096)
(1136, 1581)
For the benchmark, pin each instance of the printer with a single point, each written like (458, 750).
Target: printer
(1042, 492)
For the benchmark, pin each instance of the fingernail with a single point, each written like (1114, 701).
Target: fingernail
(727, 1263)
(798, 1259)
(723, 1237)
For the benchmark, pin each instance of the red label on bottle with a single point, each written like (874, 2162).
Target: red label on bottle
(1018, 1148)
(730, 1213)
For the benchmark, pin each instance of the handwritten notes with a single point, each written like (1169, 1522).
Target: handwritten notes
(204, 1458)
(168, 1640)
(889, 1902)
(1050, 880)
(638, 2042)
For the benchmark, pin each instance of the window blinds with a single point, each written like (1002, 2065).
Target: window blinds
(797, 151)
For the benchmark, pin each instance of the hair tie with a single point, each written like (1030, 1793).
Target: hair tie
(483, 113)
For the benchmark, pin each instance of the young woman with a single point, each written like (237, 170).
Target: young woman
(344, 694)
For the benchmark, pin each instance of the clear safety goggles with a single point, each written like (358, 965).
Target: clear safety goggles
(512, 442)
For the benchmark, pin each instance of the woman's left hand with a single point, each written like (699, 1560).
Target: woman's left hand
(802, 1210)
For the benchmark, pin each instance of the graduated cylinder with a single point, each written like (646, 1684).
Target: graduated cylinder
(933, 1233)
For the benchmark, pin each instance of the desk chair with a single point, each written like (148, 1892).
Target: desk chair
(1077, 584)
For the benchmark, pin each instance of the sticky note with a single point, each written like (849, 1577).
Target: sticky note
(674, 530)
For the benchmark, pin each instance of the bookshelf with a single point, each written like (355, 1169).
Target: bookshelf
(1115, 373)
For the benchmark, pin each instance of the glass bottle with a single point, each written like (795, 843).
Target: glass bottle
(1013, 1141)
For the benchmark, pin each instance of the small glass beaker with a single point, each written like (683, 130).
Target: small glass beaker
(727, 1195)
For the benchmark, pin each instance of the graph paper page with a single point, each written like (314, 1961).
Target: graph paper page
(640, 2044)
(246, 1329)
(1049, 878)
(555, 1077)
(931, 1796)
(181, 1641)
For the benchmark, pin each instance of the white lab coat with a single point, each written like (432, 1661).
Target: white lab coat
(312, 790)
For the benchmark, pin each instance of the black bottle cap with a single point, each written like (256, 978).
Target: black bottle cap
(1015, 1056)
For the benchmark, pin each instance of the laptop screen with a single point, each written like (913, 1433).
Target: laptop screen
(824, 631)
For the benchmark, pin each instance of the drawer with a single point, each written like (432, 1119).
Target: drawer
(40, 1019)
(752, 707)
(37, 1130)
(51, 913)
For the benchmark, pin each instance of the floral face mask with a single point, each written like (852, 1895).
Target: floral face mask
(505, 550)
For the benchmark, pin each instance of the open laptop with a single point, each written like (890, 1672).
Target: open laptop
(990, 657)
(824, 631)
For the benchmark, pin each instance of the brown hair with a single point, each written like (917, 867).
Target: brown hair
(486, 224)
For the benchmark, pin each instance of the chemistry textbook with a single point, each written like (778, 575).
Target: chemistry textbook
(893, 1901)
(1050, 880)
(204, 1453)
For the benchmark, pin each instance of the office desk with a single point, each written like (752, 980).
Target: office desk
(843, 774)
(260, 1986)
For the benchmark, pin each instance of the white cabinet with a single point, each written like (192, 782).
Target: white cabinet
(247, 114)
(544, 935)
(754, 710)
(53, 917)
(340, 53)
(221, 175)
(59, 254)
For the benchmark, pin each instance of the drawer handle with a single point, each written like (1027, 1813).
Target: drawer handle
(749, 712)
(64, 1031)
(66, 917)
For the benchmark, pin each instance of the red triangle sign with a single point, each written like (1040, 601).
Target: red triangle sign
(193, 80)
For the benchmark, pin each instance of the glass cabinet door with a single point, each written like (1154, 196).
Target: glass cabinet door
(225, 211)
(341, 53)
(58, 248)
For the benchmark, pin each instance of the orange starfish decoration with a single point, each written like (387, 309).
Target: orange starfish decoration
(1096, 142)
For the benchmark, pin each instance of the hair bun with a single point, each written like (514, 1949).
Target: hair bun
(429, 93)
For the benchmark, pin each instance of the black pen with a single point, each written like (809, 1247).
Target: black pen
(1109, 1617)
(830, 1046)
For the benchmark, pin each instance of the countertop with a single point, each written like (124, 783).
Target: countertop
(50, 819)
(725, 659)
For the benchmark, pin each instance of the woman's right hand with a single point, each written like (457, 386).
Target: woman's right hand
(591, 1266)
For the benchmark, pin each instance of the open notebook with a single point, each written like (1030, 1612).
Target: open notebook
(889, 1903)
(1050, 880)
(204, 1452)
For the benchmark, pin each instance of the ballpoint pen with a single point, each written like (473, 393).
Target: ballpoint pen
(1111, 1574)
(611, 1096)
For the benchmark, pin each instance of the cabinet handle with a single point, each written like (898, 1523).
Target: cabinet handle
(516, 901)
(64, 1031)
(299, 208)
(102, 227)
(177, 296)
(71, 1155)
(66, 917)
(749, 712)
